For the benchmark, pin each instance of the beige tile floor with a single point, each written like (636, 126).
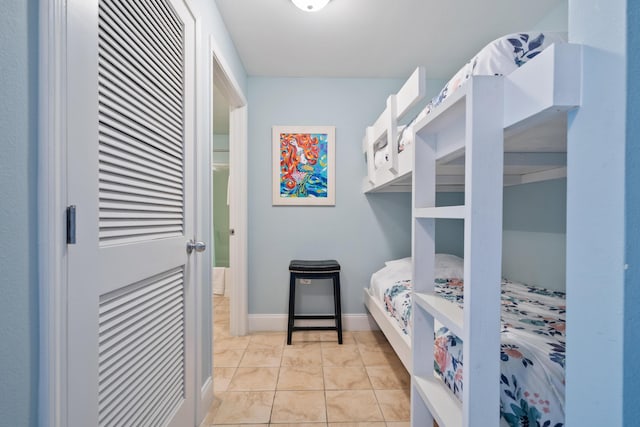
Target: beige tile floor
(261, 381)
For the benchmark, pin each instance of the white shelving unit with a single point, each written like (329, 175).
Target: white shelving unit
(470, 121)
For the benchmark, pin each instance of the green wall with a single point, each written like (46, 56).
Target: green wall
(220, 217)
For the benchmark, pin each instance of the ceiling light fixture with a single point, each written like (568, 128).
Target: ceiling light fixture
(310, 5)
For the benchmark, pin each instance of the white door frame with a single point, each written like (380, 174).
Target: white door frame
(238, 242)
(52, 202)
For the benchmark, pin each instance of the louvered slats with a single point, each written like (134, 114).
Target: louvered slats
(141, 113)
(141, 351)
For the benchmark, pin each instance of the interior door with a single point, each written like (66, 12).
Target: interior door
(130, 97)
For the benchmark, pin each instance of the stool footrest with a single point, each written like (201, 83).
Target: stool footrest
(314, 328)
(314, 316)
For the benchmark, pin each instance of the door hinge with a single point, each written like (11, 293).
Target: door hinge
(71, 225)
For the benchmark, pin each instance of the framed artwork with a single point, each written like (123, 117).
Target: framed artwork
(304, 165)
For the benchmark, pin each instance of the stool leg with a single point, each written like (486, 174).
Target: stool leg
(336, 297)
(292, 300)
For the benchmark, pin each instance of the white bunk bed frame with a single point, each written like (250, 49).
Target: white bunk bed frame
(400, 341)
(531, 153)
(385, 128)
(493, 131)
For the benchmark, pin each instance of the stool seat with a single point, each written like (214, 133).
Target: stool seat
(320, 266)
(316, 269)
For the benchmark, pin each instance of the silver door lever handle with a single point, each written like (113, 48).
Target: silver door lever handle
(197, 246)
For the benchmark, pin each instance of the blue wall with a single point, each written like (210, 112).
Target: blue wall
(596, 218)
(450, 232)
(360, 231)
(18, 208)
(632, 289)
(534, 215)
(534, 233)
(556, 19)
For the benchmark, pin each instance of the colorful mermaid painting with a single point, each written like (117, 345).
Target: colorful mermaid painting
(303, 165)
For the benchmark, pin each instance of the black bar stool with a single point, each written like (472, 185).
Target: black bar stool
(324, 269)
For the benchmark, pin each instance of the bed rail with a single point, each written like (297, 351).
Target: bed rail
(385, 129)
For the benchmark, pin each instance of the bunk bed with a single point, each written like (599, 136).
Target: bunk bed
(532, 336)
(388, 299)
(389, 148)
(489, 131)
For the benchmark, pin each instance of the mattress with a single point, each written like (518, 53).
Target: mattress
(392, 285)
(532, 353)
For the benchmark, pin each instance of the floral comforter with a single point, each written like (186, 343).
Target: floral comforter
(397, 301)
(532, 349)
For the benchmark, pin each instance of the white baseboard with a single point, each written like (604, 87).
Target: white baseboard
(206, 399)
(278, 322)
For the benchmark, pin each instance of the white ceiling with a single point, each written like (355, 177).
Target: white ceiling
(371, 38)
(367, 38)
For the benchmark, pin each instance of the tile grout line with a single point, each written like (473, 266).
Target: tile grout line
(360, 348)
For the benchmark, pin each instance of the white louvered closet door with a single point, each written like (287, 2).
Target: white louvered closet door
(130, 95)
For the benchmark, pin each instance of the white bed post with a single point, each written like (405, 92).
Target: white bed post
(474, 115)
(423, 250)
(482, 251)
(384, 133)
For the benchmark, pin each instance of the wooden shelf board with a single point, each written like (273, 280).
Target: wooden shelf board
(445, 408)
(446, 312)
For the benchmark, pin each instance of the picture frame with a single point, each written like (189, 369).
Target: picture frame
(303, 165)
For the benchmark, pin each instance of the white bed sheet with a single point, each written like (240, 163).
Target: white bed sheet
(390, 273)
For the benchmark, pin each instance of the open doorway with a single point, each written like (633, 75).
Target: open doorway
(229, 172)
(221, 274)
(227, 107)
(220, 172)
